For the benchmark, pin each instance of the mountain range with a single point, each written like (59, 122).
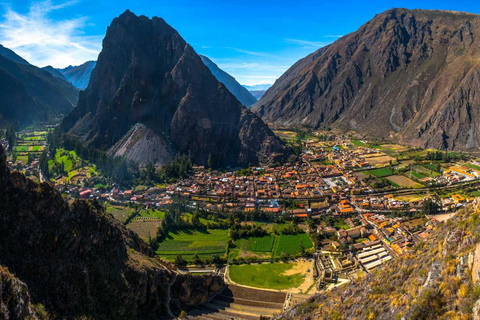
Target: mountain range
(258, 90)
(150, 97)
(31, 94)
(241, 93)
(407, 75)
(79, 76)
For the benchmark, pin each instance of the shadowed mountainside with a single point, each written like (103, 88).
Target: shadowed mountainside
(150, 91)
(78, 261)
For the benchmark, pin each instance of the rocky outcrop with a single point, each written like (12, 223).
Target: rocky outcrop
(15, 301)
(77, 261)
(147, 74)
(240, 92)
(28, 93)
(409, 75)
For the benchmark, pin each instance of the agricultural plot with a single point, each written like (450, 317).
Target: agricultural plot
(120, 213)
(205, 243)
(358, 143)
(269, 276)
(379, 173)
(291, 244)
(146, 229)
(153, 213)
(379, 161)
(257, 244)
(404, 182)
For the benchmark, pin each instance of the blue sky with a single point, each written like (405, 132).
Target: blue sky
(255, 41)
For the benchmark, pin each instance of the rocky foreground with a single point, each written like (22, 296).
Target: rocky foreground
(438, 279)
(73, 260)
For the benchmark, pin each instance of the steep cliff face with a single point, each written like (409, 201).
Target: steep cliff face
(240, 92)
(412, 75)
(78, 261)
(15, 301)
(147, 74)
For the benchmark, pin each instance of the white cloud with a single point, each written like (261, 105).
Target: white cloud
(316, 44)
(333, 36)
(253, 53)
(43, 41)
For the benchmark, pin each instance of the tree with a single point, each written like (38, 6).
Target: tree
(179, 260)
(10, 136)
(197, 260)
(430, 206)
(210, 161)
(302, 248)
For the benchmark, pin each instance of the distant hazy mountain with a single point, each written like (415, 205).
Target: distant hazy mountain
(9, 54)
(151, 97)
(242, 94)
(28, 93)
(258, 90)
(79, 76)
(54, 72)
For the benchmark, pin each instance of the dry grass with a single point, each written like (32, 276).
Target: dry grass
(404, 181)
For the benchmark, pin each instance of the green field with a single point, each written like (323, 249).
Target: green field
(416, 175)
(358, 143)
(472, 166)
(257, 244)
(153, 213)
(291, 244)
(21, 148)
(270, 276)
(188, 242)
(379, 173)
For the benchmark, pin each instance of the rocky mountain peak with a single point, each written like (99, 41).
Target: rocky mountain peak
(409, 75)
(147, 77)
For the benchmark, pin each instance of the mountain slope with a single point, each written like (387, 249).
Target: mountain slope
(148, 82)
(9, 54)
(242, 94)
(79, 262)
(54, 72)
(29, 93)
(412, 75)
(79, 76)
(437, 279)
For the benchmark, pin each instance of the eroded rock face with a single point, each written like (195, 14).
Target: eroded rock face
(410, 75)
(15, 302)
(78, 261)
(147, 74)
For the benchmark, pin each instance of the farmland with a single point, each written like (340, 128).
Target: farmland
(146, 229)
(291, 244)
(188, 242)
(257, 244)
(402, 181)
(379, 173)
